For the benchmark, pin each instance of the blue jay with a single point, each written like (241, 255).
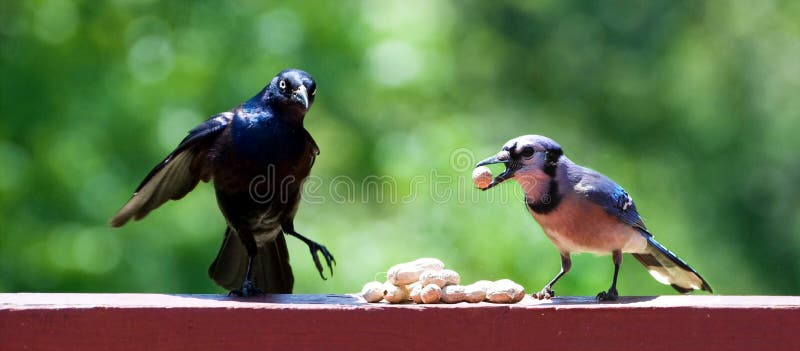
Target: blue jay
(581, 210)
(258, 154)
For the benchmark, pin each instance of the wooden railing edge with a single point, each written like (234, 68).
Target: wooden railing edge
(212, 322)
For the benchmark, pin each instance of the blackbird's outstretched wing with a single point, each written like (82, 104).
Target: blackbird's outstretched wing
(178, 174)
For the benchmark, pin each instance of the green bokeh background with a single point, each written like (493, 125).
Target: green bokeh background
(692, 106)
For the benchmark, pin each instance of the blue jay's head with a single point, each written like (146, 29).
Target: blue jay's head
(528, 155)
(293, 90)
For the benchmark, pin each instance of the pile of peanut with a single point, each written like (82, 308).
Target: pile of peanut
(425, 280)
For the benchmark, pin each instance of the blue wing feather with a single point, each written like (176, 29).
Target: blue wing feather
(610, 196)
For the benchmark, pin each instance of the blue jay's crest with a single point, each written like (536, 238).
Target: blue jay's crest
(534, 142)
(581, 210)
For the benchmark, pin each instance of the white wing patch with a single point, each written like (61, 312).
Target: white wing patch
(660, 275)
(583, 188)
(628, 202)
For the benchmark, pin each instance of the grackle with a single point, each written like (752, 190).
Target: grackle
(257, 155)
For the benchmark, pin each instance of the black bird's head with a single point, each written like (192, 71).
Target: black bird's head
(528, 155)
(291, 92)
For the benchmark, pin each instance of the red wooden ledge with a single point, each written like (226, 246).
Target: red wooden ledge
(343, 322)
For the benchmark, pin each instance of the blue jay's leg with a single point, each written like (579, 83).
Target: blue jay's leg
(547, 292)
(314, 247)
(612, 293)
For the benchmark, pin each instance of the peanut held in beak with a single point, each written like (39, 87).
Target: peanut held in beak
(482, 177)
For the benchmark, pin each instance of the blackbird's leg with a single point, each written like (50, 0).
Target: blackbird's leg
(314, 247)
(248, 286)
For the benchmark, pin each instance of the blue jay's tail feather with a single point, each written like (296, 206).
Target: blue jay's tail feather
(271, 271)
(667, 268)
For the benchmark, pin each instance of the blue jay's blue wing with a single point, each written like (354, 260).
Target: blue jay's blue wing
(662, 264)
(607, 194)
(177, 174)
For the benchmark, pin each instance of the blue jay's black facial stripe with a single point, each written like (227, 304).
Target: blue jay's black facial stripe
(551, 161)
(549, 201)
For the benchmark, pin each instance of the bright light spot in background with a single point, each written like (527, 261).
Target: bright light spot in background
(280, 31)
(174, 123)
(56, 21)
(410, 39)
(95, 250)
(68, 159)
(394, 63)
(413, 20)
(88, 249)
(151, 59)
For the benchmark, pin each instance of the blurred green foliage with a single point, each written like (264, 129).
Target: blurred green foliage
(691, 106)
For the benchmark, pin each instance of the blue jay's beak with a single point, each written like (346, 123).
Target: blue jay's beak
(300, 95)
(501, 157)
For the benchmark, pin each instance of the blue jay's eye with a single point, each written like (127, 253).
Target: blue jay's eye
(527, 152)
(282, 84)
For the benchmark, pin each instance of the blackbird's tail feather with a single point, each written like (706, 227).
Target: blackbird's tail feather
(271, 270)
(668, 269)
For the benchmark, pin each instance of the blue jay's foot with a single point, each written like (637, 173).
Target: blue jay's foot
(248, 289)
(611, 295)
(545, 294)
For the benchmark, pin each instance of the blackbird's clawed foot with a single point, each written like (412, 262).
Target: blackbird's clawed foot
(314, 248)
(248, 289)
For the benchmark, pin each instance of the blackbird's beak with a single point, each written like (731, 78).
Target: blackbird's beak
(300, 95)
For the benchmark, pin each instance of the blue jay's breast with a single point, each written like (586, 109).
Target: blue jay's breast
(578, 226)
